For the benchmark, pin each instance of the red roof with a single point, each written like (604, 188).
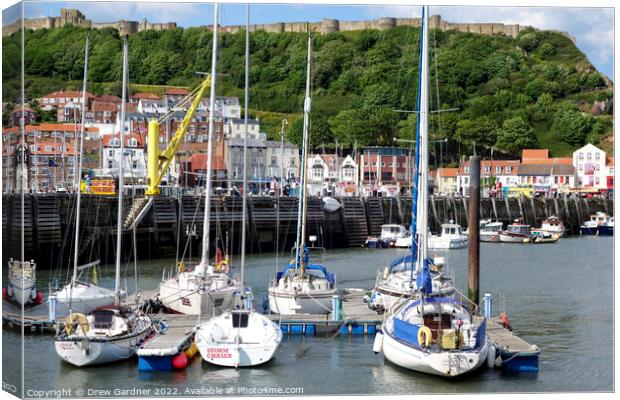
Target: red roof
(51, 127)
(447, 172)
(534, 155)
(109, 99)
(68, 93)
(149, 96)
(492, 163)
(49, 147)
(176, 92)
(199, 162)
(133, 135)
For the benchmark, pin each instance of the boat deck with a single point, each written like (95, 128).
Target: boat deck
(506, 340)
(176, 337)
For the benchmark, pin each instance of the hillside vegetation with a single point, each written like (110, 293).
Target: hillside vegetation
(532, 91)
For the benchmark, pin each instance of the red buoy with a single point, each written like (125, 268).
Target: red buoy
(39, 298)
(179, 361)
(4, 294)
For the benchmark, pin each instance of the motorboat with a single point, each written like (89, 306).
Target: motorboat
(389, 234)
(553, 224)
(451, 237)
(516, 232)
(489, 230)
(22, 283)
(607, 229)
(591, 227)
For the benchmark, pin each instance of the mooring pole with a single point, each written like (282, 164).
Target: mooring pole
(473, 276)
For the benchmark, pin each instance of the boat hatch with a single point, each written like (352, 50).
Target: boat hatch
(240, 320)
(102, 319)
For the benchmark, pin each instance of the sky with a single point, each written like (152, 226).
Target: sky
(593, 28)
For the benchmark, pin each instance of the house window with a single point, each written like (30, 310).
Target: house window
(581, 155)
(134, 164)
(133, 142)
(33, 147)
(498, 170)
(109, 163)
(596, 181)
(598, 167)
(466, 169)
(111, 153)
(48, 148)
(508, 169)
(597, 156)
(487, 169)
(589, 156)
(382, 164)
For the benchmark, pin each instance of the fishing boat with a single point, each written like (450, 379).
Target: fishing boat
(241, 337)
(389, 234)
(114, 332)
(553, 224)
(437, 335)
(22, 283)
(489, 230)
(451, 237)
(516, 232)
(540, 236)
(606, 229)
(205, 289)
(303, 287)
(393, 285)
(591, 227)
(82, 295)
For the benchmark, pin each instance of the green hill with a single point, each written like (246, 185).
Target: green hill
(532, 91)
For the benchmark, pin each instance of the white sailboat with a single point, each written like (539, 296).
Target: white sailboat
(434, 335)
(109, 333)
(302, 287)
(241, 337)
(77, 295)
(203, 290)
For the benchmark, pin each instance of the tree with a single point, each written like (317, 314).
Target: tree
(515, 135)
(572, 125)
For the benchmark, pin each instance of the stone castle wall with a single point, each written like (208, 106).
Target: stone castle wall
(75, 17)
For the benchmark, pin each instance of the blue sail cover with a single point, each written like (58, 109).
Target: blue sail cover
(310, 267)
(423, 280)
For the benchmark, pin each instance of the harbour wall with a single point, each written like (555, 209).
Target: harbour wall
(173, 225)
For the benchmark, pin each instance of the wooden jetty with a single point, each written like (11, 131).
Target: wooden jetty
(516, 354)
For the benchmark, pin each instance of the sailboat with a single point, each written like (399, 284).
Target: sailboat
(77, 295)
(241, 337)
(108, 333)
(302, 287)
(204, 290)
(434, 335)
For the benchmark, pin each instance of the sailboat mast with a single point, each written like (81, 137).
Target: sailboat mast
(78, 159)
(121, 179)
(423, 189)
(301, 210)
(205, 227)
(245, 142)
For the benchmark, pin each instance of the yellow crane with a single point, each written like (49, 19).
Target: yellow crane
(158, 161)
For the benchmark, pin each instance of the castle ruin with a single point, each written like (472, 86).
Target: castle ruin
(75, 17)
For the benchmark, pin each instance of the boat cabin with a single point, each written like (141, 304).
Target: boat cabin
(451, 229)
(393, 231)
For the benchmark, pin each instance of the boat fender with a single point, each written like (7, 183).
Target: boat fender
(4, 294)
(498, 362)
(378, 344)
(33, 294)
(386, 272)
(72, 322)
(424, 336)
(39, 298)
(491, 357)
(9, 290)
(191, 351)
(179, 361)
(505, 322)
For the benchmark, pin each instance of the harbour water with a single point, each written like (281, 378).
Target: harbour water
(558, 296)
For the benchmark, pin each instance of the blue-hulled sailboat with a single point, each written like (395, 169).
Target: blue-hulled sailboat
(432, 334)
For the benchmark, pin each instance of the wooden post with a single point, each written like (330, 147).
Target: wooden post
(473, 275)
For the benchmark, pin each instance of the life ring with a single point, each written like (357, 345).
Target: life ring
(424, 336)
(72, 320)
(505, 322)
(222, 265)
